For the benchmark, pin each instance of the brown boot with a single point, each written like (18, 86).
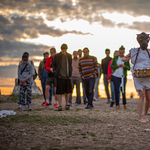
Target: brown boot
(117, 107)
(125, 107)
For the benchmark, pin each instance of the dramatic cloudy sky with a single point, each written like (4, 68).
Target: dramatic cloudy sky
(36, 25)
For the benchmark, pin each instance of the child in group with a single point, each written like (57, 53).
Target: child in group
(25, 73)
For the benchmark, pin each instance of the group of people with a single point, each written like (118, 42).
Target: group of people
(61, 71)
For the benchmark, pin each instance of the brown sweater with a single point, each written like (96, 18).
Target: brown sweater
(75, 70)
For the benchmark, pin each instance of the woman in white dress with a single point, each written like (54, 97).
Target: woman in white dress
(140, 58)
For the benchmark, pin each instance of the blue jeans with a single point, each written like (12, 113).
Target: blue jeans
(75, 81)
(96, 88)
(84, 94)
(117, 82)
(89, 87)
(113, 91)
(43, 83)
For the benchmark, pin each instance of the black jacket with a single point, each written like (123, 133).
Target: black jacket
(56, 64)
(105, 63)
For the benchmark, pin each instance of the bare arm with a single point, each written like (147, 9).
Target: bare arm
(127, 57)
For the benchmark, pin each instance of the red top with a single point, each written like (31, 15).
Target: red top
(48, 63)
(109, 71)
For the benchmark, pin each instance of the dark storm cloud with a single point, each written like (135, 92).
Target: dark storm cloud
(8, 71)
(140, 26)
(21, 27)
(84, 7)
(16, 27)
(16, 49)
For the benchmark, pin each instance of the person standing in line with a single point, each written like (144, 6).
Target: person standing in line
(84, 95)
(119, 76)
(96, 93)
(42, 72)
(109, 78)
(25, 73)
(75, 78)
(105, 63)
(62, 67)
(88, 69)
(51, 80)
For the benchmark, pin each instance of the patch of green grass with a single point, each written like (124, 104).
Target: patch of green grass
(53, 148)
(37, 96)
(12, 99)
(78, 109)
(76, 147)
(96, 120)
(92, 134)
(109, 148)
(36, 147)
(15, 98)
(94, 139)
(56, 139)
(105, 142)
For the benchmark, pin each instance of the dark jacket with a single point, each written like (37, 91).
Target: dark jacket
(57, 62)
(40, 69)
(105, 63)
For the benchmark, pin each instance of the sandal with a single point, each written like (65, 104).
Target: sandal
(67, 107)
(60, 108)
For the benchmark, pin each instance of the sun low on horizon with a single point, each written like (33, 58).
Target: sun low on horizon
(35, 26)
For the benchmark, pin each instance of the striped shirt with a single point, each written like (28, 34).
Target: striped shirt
(88, 66)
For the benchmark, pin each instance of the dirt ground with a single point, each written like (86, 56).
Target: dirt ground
(102, 128)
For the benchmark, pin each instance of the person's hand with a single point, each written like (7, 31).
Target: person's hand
(108, 81)
(24, 80)
(126, 59)
(123, 66)
(118, 66)
(24, 84)
(92, 76)
(51, 69)
(83, 77)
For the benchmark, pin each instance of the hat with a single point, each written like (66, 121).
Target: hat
(25, 56)
(64, 46)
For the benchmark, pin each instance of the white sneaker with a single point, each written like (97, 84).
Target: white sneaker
(29, 107)
(23, 107)
(19, 107)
